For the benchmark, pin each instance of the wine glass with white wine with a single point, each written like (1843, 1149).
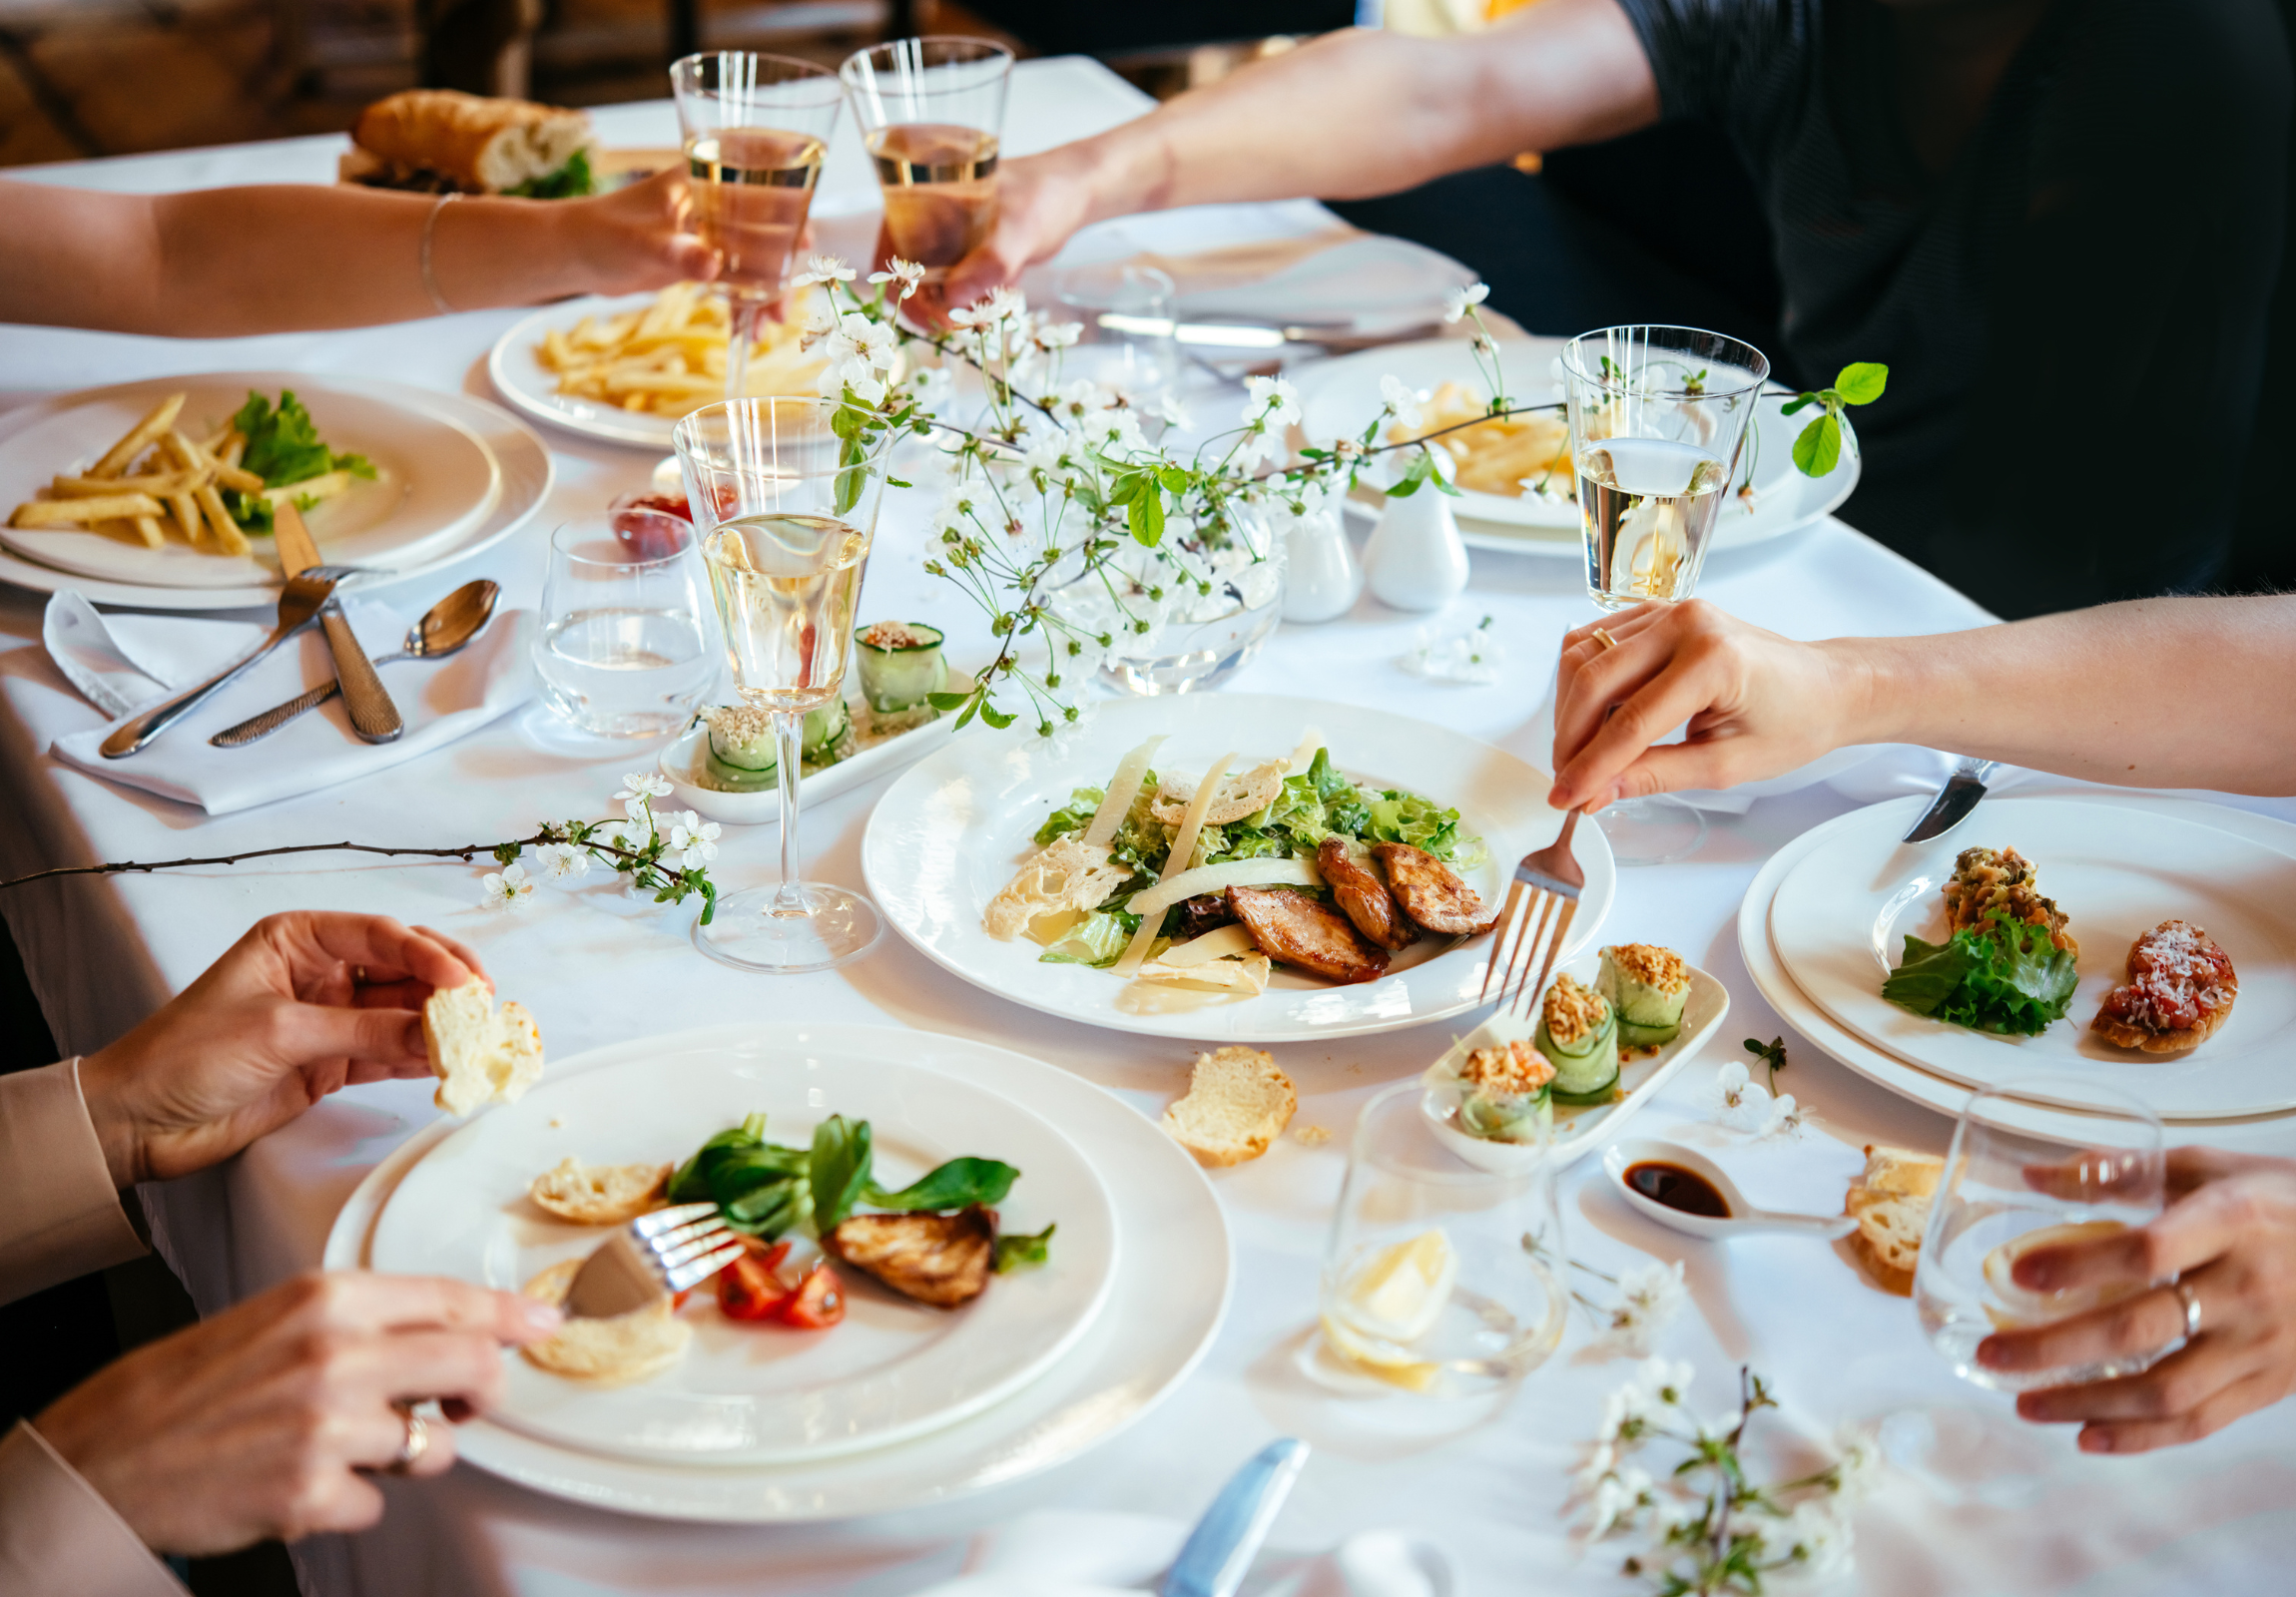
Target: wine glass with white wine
(1657, 418)
(932, 112)
(788, 510)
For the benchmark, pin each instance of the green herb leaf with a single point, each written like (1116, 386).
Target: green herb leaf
(1146, 516)
(1022, 1253)
(946, 700)
(2000, 977)
(1819, 448)
(840, 1168)
(956, 1185)
(569, 181)
(1800, 401)
(1861, 382)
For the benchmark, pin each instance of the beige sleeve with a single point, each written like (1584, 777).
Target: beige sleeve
(56, 1534)
(59, 1215)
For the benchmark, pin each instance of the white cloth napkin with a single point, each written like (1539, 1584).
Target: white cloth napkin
(1896, 770)
(1064, 1554)
(122, 661)
(1370, 284)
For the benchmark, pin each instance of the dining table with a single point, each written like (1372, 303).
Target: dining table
(1973, 1501)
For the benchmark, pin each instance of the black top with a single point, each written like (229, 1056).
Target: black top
(2072, 313)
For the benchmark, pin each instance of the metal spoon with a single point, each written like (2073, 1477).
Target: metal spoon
(1744, 1216)
(445, 626)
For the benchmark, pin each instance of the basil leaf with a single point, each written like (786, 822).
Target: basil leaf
(956, 1185)
(841, 1166)
(1022, 1253)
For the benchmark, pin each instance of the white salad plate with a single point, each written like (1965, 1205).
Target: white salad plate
(1578, 1128)
(953, 830)
(1167, 1290)
(685, 761)
(1841, 917)
(1337, 397)
(434, 478)
(521, 465)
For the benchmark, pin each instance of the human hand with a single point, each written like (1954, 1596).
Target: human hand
(635, 237)
(252, 1424)
(2231, 1235)
(302, 1004)
(1757, 703)
(1040, 200)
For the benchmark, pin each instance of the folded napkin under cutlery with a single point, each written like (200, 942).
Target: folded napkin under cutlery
(124, 662)
(1069, 1553)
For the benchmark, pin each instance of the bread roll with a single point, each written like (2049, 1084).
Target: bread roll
(479, 1054)
(463, 140)
(1238, 1103)
(605, 1352)
(600, 1194)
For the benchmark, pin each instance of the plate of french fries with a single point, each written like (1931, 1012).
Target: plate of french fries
(173, 482)
(1516, 487)
(628, 370)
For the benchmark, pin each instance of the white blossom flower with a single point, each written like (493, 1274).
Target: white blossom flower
(1616, 1497)
(1649, 1295)
(862, 339)
(507, 888)
(1784, 1118)
(1669, 1512)
(1057, 335)
(562, 861)
(693, 839)
(1456, 651)
(1600, 1462)
(1271, 400)
(906, 273)
(1456, 302)
(1858, 1469)
(1401, 401)
(1002, 305)
(1818, 1533)
(1172, 412)
(641, 823)
(1736, 1099)
(1667, 1382)
(641, 784)
(822, 268)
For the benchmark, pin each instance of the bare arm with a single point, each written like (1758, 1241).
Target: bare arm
(219, 263)
(1352, 113)
(2155, 692)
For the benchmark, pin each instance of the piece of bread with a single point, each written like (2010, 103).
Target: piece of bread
(605, 1352)
(1890, 1203)
(1238, 1103)
(1241, 794)
(466, 142)
(600, 1194)
(479, 1054)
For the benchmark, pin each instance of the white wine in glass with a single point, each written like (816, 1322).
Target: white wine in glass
(940, 183)
(1649, 506)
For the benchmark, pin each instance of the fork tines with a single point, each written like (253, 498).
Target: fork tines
(687, 1243)
(1539, 905)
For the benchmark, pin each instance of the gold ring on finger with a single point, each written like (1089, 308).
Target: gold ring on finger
(2191, 1302)
(418, 1440)
(1601, 634)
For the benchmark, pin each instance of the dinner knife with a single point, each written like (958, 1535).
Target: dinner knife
(1244, 335)
(372, 715)
(1953, 801)
(1218, 1551)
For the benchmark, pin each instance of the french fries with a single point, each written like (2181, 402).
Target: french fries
(83, 512)
(139, 438)
(1506, 458)
(668, 359)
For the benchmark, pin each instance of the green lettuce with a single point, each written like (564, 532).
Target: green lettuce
(1097, 940)
(283, 447)
(569, 181)
(2000, 977)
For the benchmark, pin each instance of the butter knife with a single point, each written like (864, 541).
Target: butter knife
(1245, 335)
(1218, 1552)
(1953, 801)
(373, 716)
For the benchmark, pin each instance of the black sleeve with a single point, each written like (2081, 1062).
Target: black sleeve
(1722, 59)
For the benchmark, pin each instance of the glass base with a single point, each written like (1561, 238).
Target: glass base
(839, 925)
(1652, 832)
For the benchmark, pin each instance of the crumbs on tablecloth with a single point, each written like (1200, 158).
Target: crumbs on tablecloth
(1630, 1052)
(556, 1124)
(1313, 1136)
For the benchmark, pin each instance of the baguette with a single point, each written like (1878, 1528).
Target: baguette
(443, 139)
(605, 1352)
(1890, 1203)
(479, 1054)
(600, 1194)
(1236, 1103)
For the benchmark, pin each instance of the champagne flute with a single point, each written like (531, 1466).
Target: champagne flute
(755, 129)
(1657, 418)
(788, 514)
(932, 112)
(2008, 1189)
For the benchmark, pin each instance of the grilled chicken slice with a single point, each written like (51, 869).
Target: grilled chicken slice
(941, 1259)
(1307, 932)
(1355, 881)
(1432, 893)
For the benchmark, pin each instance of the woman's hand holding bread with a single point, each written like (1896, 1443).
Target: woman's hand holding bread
(303, 1004)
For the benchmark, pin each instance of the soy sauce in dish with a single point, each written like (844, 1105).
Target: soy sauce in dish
(1677, 1188)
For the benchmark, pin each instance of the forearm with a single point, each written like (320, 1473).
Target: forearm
(2155, 692)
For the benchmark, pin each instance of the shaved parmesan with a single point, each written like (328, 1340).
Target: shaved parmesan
(1123, 788)
(1248, 973)
(1183, 849)
(1305, 756)
(1217, 943)
(1261, 872)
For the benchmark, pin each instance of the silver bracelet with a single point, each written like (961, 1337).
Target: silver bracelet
(430, 226)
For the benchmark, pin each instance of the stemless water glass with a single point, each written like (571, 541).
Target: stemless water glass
(1128, 342)
(1440, 1278)
(933, 112)
(1657, 418)
(623, 650)
(755, 129)
(787, 521)
(2006, 1190)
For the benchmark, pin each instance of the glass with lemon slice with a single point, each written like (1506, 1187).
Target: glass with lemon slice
(1438, 1278)
(2007, 1189)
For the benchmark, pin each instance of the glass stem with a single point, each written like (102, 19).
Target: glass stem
(788, 738)
(740, 333)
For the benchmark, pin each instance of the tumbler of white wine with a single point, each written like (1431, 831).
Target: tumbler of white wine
(756, 128)
(932, 112)
(786, 511)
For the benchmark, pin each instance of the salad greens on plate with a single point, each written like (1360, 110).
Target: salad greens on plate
(2003, 977)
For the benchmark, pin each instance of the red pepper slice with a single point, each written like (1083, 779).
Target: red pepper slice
(818, 1302)
(749, 1289)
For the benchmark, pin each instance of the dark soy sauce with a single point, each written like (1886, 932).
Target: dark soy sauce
(1677, 1188)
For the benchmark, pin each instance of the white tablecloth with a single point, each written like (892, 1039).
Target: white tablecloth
(2029, 1515)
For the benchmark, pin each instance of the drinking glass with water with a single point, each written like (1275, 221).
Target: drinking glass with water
(625, 649)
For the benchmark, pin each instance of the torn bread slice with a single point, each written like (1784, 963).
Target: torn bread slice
(1238, 1103)
(1901, 1170)
(600, 1194)
(613, 1352)
(479, 1054)
(1890, 1203)
(1240, 794)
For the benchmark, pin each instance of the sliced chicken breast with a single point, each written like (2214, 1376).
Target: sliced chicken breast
(1431, 892)
(1295, 930)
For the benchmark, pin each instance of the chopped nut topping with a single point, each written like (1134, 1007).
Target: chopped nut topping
(744, 723)
(1661, 968)
(893, 635)
(1574, 1011)
(1514, 1071)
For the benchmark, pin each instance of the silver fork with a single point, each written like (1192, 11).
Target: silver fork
(1545, 882)
(653, 1257)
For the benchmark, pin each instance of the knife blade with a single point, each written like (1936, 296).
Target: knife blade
(1218, 1551)
(1953, 801)
(1256, 335)
(372, 715)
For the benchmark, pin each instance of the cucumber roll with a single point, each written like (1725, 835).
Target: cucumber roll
(1578, 1033)
(743, 755)
(901, 663)
(1647, 987)
(1504, 1093)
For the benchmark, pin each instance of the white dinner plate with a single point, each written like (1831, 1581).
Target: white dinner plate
(526, 476)
(434, 478)
(953, 828)
(1578, 1128)
(1168, 1298)
(1339, 396)
(1841, 917)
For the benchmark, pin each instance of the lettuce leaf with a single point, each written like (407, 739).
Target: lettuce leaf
(1083, 804)
(283, 447)
(1097, 940)
(569, 181)
(2000, 977)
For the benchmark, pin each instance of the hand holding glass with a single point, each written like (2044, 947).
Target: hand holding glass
(933, 112)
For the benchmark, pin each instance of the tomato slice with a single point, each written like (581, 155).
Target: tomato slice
(749, 1289)
(818, 1302)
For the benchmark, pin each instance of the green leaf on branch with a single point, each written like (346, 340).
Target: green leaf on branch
(1174, 479)
(507, 854)
(1146, 517)
(946, 700)
(1818, 450)
(1800, 402)
(1861, 382)
(994, 717)
(1414, 476)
